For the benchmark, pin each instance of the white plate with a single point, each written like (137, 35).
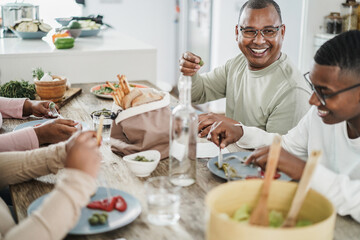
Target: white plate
(30, 124)
(115, 220)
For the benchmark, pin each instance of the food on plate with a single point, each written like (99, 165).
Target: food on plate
(104, 111)
(18, 89)
(126, 97)
(30, 25)
(142, 159)
(276, 218)
(64, 42)
(105, 89)
(228, 170)
(117, 202)
(89, 25)
(98, 219)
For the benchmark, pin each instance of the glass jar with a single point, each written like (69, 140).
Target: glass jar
(349, 12)
(183, 137)
(333, 23)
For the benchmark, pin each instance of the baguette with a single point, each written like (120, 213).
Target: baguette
(128, 99)
(146, 97)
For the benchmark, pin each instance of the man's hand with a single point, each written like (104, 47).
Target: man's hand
(225, 127)
(37, 108)
(83, 153)
(288, 163)
(190, 63)
(55, 131)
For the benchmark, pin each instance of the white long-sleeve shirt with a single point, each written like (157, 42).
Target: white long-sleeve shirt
(338, 175)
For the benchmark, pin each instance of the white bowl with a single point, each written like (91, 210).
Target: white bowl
(143, 169)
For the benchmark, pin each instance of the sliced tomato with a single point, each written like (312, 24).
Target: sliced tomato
(120, 204)
(116, 202)
(102, 204)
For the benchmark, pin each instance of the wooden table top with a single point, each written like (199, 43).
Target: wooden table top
(192, 210)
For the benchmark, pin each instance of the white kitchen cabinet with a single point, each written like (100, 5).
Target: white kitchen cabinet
(93, 59)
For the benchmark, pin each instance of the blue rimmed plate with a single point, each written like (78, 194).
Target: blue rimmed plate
(115, 220)
(31, 124)
(89, 33)
(241, 169)
(30, 35)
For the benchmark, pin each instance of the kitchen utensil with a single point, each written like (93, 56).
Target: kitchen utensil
(53, 110)
(13, 12)
(302, 189)
(259, 216)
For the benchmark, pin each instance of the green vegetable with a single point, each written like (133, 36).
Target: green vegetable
(74, 25)
(18, 89)
(104, 111)
(64, 42)
(38, 73)
(303, 223)
(275, 219)
(142, 159)
(98, 219)
(201, 63)
(242, 214)
(105, 90)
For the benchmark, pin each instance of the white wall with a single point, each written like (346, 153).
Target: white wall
(151, 21)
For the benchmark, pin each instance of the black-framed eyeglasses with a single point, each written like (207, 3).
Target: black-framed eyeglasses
(318, 91)
(268, 32)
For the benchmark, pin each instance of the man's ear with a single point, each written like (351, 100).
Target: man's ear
(237, 33)
(283, 28)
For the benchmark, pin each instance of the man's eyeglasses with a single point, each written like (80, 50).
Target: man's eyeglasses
(268, 32)
(318, 91)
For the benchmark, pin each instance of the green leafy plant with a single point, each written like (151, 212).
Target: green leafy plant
(38, 73)
(18, 89)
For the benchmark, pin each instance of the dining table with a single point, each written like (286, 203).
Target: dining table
(192, 222)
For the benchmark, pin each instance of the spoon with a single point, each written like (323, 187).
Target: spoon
(260, 214)
(302, 189)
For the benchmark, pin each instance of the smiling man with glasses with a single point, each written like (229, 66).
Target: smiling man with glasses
(261, 86)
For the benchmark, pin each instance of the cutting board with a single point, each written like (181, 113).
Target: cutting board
(69, 94)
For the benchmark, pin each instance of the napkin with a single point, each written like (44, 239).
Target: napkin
(208, 150)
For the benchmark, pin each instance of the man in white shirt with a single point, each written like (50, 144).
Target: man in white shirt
(332, 125)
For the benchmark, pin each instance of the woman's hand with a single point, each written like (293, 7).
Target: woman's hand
(54, 131)
(288, 163)
(83, 153)
(38, 108)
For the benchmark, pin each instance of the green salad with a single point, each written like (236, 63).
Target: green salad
(105, 89)
(276, 218)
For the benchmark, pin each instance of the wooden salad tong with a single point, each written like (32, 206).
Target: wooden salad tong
(259, 216)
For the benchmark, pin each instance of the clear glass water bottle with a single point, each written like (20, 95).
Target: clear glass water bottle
(183, 135)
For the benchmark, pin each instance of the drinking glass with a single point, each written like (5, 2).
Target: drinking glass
(163, 200)
(106, 123)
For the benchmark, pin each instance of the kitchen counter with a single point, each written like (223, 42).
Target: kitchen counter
(93, 59)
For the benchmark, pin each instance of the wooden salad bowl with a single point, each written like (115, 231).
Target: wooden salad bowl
(225, 199)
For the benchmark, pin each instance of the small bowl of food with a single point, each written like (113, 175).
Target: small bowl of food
(142, 164)
(48, 86)
(229, 208)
